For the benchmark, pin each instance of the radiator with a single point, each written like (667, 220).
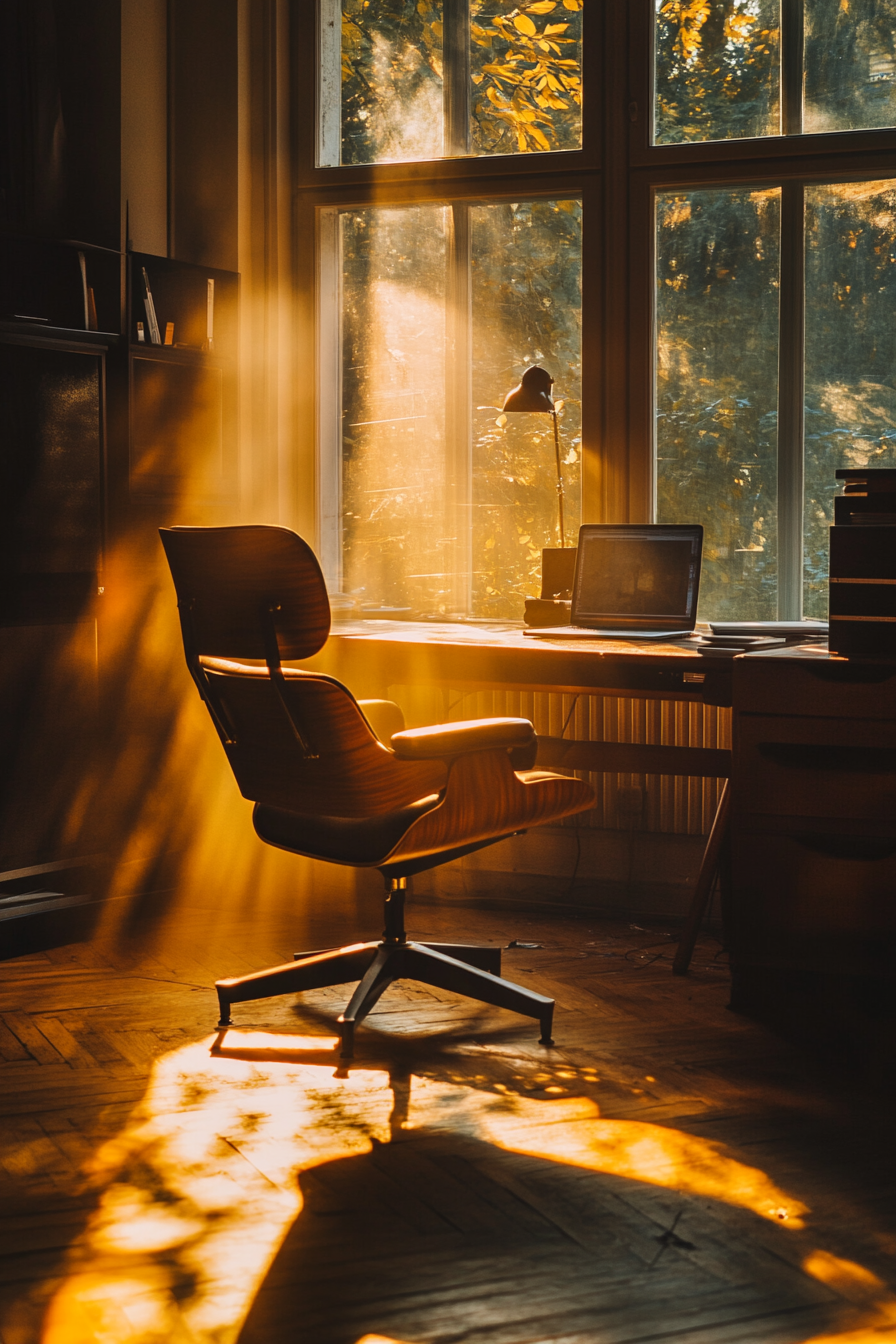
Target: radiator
(671, 804)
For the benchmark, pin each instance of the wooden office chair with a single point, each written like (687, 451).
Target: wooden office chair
(323, 785)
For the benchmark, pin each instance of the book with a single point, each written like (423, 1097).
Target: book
(82, 262)
(210, 318)
(151, 321)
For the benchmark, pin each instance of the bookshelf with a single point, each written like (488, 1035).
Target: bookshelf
(182, 395)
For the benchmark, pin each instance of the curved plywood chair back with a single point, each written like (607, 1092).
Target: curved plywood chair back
(228, 578)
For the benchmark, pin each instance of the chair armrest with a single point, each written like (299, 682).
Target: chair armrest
(457, 739)
(384, 717)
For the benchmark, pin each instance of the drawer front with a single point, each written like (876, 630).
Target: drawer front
(815, 685)
(813, 902)
(808, 767)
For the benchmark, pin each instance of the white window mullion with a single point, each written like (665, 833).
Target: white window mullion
(329, 396)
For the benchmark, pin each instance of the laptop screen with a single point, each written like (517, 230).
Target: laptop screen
(640, 575)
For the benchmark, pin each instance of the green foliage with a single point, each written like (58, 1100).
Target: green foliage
(717, 374)
(716, 69)
(716, 426)
(526, 76)
(850, 64)
(850, 401)
(527, 261)
(403, 541)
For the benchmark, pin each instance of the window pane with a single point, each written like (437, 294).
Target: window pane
(395, 86)
(850, 65)
(526, 73)
(446, 501)
(391, 78)
(393, 399)
(717, 70)
(716, 388)
(850, 353)
(526, 309)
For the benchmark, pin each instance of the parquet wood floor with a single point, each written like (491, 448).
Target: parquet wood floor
(669, 1171)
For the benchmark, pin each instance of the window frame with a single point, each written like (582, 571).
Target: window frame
(793, 180)
(791, 161)
(318, 191)
(616, 174)
(316, 211)
(310, 175)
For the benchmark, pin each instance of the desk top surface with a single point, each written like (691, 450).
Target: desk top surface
(397, 652)
(507, 635)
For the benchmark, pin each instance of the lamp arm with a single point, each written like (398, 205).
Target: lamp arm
(559, 478)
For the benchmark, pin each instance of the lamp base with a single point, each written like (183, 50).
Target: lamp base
(558, 567)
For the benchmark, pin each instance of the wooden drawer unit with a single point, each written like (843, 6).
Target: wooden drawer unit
(815, 767)
(799, 684)
(814, 900)
(811, 917)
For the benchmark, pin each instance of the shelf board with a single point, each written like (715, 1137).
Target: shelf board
(175, 355)
(43, 330)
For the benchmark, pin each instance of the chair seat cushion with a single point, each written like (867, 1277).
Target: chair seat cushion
(359, 841)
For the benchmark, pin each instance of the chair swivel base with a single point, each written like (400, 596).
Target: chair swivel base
(472, 971)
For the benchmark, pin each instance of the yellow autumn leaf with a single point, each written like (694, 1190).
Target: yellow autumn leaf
(555, 28)
(523, 24)
(541, 7)
(574, 5)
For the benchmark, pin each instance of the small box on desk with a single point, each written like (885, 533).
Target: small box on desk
(553, 606)
(862, 585)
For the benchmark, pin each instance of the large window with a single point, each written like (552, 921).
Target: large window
(438, 503)
(775, 295)
(685, 212)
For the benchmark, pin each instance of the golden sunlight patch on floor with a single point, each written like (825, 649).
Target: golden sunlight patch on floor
(201, 1189)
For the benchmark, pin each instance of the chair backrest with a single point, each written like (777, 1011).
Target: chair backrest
(225, 576)
(297, 740)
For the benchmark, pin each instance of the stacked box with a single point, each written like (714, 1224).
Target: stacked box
(862, 585)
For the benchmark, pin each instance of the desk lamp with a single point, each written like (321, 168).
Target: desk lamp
(533, 393)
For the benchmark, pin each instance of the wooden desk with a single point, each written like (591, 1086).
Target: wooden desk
(371, 656)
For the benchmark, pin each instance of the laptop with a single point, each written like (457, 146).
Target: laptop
(633, 581)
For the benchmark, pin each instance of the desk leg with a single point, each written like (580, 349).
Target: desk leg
(705, 878)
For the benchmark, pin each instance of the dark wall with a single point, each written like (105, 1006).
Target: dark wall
(60, 119)
(203, 121)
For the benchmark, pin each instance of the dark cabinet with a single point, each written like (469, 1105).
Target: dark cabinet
(812, 917)
(51, 571)
(51, 478)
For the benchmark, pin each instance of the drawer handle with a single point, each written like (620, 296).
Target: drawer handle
(805, 756)
(850, 674)
(862, 847)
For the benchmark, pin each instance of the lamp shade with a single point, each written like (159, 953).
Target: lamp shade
(533, 392)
